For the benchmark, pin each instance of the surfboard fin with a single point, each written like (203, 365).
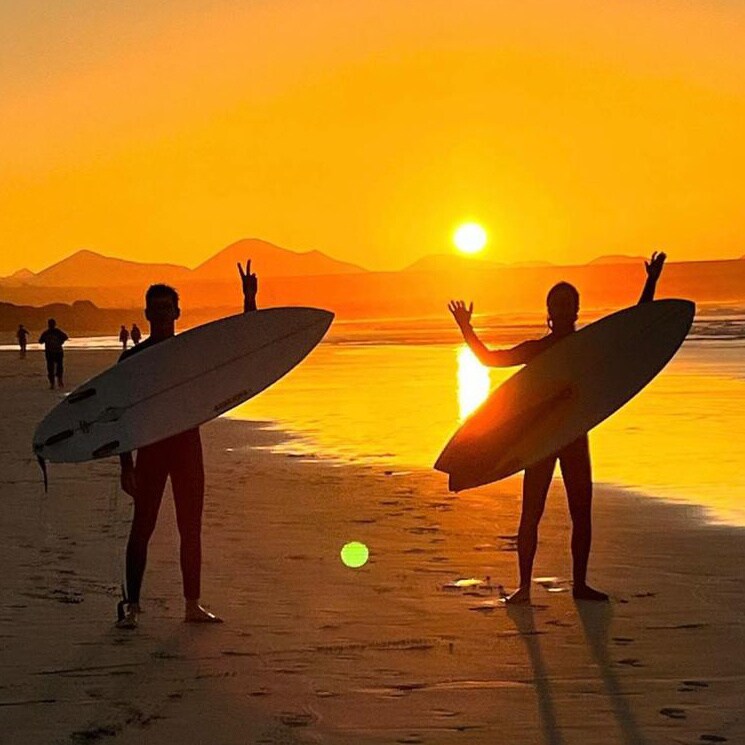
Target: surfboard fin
(43, 465)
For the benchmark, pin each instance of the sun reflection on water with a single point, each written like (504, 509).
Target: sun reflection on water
(473, 382)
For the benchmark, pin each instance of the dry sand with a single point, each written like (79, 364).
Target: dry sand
(312, 651)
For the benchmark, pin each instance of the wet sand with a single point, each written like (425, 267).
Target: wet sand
(312, 651)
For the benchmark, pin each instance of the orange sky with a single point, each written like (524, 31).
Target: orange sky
(166, 130)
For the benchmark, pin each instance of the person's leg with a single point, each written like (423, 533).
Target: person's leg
(577, 473)
(187, 480)
(50, 368)
(536, 482)
(58, 368)
(151, 472)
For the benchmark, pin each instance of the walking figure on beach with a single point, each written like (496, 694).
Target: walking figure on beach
(574, 459)
(135, 334)
(123, 337)
(179, 457)
(22, 336)
(53, 339)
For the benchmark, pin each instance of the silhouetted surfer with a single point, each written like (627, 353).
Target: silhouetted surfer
(53, 339)
(123, 337)
(563, 308)
(22, 336)
(179, 457)
(136, 334)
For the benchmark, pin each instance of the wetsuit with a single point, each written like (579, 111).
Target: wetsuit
(179, 457)
(53, 339)
(576, 471)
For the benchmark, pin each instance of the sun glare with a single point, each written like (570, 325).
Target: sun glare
(473, 382)
(470, 238)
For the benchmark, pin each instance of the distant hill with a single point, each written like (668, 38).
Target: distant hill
(617, 259)
(19, 277)
(423, 288)
(450, 263)
(269, 261)
(80, 318)
(90, 269)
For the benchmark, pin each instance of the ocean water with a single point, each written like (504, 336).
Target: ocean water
(393, 393)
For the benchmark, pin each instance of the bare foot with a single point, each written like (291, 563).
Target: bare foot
(585, 592)
(196, 614)
(521, 596)
(129, 616)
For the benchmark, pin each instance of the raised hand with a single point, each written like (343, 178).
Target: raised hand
(461, 314)
(250, 284)
(654, 265)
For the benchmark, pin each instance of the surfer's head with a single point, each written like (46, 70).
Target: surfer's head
(161, 308)
(562, 303)
(51, 323)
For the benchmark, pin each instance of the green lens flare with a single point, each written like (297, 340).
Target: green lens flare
(354, 554)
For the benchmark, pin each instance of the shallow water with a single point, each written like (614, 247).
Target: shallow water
(392, 392)
(397, 405)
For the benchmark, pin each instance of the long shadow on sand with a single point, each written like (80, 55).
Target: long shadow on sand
(524, 620)
(596, 619)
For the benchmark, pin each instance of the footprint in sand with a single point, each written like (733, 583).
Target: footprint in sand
(94, 733)
(622, 641)
(691, 685)
(673, 713)
(554, 584)
(322, 693)
(631, 662)
(675, 627)
(298, 718)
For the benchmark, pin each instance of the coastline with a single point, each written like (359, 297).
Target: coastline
(315, 652)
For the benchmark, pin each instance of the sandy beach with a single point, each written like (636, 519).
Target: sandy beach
(313, 651)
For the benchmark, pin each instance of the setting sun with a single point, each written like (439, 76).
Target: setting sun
(470, 238)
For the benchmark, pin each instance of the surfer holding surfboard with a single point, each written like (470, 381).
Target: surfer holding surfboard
(574, 458)
(178, 456)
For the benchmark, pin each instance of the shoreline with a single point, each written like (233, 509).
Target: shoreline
(315, 652)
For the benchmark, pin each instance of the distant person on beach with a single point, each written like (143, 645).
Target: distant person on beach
(53, 339)
(124, 337)
(179, 457)
(563, 308)
(22, 336)
(136, 334)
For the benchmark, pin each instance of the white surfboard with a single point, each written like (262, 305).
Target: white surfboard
(565, 391)
(179, 383)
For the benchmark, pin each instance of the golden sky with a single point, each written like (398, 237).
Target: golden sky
(164, 130)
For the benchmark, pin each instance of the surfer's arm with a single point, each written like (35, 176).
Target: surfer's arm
(654, 269)
(518, 355)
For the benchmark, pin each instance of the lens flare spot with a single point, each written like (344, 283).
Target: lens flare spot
(354, 554)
